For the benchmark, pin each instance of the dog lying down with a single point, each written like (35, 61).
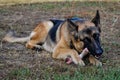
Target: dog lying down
(83, 53)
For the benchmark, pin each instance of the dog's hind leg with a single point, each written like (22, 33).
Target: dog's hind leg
(33, 43)
(34, 46)
(39, 35)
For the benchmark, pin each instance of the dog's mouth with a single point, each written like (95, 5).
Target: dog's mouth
(97, 56)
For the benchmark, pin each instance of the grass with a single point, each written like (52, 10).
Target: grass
(43, 67)
(21, 73)
(9, 2)
(13, 2)
(91, 73)
(99, 74)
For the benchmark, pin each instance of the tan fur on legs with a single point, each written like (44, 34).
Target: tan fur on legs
(39, 34)
(94, 61)
(62, 52)
(32, 45)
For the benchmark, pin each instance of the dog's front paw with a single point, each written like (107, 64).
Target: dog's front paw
(96, 62)
(81, 62)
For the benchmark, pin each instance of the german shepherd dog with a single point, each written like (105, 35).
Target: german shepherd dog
(66, 38)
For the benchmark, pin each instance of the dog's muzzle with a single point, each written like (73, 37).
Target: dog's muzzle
(98, 52)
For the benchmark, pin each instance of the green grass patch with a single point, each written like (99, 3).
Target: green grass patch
(84, 73)
(94, 74)
(19, 74)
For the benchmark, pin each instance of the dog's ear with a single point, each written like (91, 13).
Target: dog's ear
(96, 20)
(72, 27)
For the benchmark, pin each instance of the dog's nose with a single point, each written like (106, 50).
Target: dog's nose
(99, 51)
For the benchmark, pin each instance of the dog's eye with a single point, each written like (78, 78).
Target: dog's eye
(96, 36)
(76, 37)
(86, 39)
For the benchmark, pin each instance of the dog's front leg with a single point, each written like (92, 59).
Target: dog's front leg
(62, 53)
(94, 61)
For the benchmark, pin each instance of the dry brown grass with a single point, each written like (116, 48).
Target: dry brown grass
(12, 2)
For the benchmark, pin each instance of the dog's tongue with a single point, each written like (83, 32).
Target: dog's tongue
(68, 60)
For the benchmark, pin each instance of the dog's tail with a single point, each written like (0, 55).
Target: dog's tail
(10, 37)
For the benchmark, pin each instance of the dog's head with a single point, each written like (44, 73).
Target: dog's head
(88, 33)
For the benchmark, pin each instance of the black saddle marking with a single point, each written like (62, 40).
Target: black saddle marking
(53, 30)
(57, 22)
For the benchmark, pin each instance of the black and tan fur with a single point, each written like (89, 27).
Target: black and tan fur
(71, 36)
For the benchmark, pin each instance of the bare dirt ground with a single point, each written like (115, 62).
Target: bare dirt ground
(24, 18)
